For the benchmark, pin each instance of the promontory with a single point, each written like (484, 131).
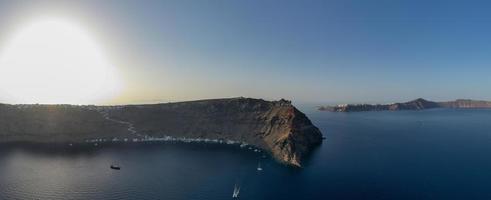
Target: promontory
(417, 104)
(274, 126)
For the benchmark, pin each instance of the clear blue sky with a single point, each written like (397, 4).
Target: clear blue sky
(307, 51)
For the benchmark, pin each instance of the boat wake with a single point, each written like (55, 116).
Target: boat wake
(235, 194)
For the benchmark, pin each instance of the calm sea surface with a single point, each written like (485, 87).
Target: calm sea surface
(433, 154)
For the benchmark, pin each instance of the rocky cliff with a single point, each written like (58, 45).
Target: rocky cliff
(275, 126)
(417, 104)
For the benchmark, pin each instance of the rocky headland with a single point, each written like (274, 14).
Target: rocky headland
(274, 126)
(417, 104)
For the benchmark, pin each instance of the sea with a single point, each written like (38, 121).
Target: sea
(430, 154)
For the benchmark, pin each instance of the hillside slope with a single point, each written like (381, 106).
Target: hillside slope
(275, 126)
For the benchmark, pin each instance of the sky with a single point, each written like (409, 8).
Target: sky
(306, 51)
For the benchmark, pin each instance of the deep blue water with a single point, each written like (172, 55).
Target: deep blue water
(433, 154)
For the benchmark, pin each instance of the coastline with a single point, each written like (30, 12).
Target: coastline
(276, 127)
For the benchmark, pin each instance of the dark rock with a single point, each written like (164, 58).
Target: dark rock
(275, 126)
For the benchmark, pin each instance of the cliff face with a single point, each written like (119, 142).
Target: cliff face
(291, 144)
(417, 104)
(275, 126)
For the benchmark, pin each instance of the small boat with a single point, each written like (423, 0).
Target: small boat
(115, 167)
(259, 168)
(235, 194)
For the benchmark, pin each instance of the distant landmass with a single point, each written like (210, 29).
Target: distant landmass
(417, 104)
(274, 126)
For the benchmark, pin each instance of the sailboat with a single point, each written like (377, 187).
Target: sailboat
(259, 168)
(236, 191)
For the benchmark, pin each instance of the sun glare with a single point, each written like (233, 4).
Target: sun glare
(55, 61)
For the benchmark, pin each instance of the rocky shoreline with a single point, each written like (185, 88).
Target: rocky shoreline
(276, 127)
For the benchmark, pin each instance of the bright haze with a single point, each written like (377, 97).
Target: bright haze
(118, 52)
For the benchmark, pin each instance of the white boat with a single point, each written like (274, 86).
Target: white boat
(259, 168)
(235, 194)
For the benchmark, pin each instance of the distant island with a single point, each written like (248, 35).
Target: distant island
(274, 126)
(417, 104)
